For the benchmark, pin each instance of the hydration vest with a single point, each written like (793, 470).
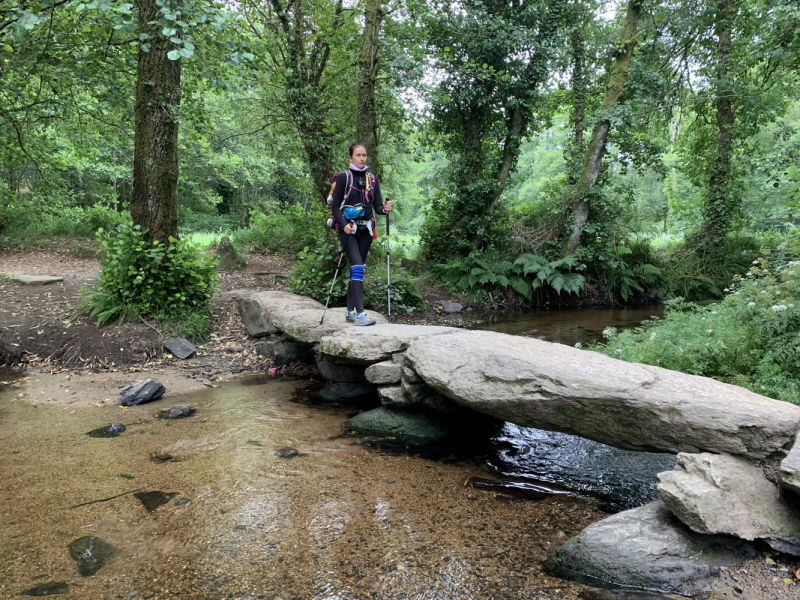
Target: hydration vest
(365, 199)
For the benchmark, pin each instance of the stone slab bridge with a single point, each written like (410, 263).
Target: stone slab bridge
(737, 478)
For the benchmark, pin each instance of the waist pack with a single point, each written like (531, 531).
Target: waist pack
(353, 213)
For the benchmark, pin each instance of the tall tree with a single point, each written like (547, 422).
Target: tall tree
(367, 77)
(593, 159)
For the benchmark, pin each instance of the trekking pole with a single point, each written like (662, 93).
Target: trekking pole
(339, 262)
(388, 278)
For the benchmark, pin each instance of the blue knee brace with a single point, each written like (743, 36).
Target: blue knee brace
(357, 273)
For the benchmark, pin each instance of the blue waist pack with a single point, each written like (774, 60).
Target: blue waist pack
(353, 213)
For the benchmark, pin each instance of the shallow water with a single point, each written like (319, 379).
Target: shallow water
(337, 522)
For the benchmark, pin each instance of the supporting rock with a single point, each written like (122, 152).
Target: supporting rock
(258, 308)
(331, 371)
(413, 427)
(303, 324)
(283, 351)
(789, 472)
(384, 373)
(648, 549)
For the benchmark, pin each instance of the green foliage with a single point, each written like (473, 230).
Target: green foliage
(313, 274)
(483, 274)
(149, 278)
(290, 228)
(750, 338)
(405, 294)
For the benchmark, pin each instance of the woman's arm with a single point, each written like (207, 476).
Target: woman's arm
(338, 198)
(377, 199)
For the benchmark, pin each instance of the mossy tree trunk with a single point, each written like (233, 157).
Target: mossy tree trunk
(597, 146)
(155, 157)
(367, 118)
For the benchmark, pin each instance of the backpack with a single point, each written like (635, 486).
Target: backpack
(348, 187)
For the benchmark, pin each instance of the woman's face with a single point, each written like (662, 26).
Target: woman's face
(359, 157)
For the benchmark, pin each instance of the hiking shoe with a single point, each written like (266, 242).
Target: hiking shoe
(350, 317)
(363, 320)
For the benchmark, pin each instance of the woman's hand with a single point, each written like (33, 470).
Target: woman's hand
(387, 206)
(348, 229)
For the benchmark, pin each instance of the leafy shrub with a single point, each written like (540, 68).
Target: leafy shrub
(290, 228)
(751, 338)
(482, 273)
(149, 278)
(404, 292)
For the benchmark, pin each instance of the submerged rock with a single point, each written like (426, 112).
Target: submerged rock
(598, 594)
(451, 307)
(632, 406)
(416, 427)
(160, 456)
(286, 453)
(144, 391)
(724, 494)
(338, 373)
(107, 432)
(181, 347)
(91, 553)
(152, 500)
(648, 549)
(179, 411)
(336, 392)
(50, 588)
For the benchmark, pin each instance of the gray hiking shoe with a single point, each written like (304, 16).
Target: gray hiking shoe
(363, 320)
(350, 317)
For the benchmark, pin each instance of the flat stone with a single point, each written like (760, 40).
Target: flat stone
(631, 406)
(331, 371)
(181, 347)
(257, 309)
(724, 494)
(144, 391)
(51, 588)
(91, 553)
(451, 307)
(179, 411)
(789, 471)
(335, 392)
(286, 453)
(385, 422)
(378, 343)
(303, 324)
(283, 351)
(35, 279)
(647, 548)
(383, 373)
(152, 500)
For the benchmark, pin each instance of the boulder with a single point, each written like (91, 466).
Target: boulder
(257, 309)
(451, 307)
(419, 428)
(647, 548)
(378, 343)
(789, 471)
(179, 411)
(724, 494)
(35, 279)
(181, 348)
(335, 392)
(283, 351)
(383, 373)
(303, 324)
(229, 258)
(331, 371)
(144, 391)
(631, 406)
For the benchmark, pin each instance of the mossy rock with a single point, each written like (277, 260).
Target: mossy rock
(415, 427)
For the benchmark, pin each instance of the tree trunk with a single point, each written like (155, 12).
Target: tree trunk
(578, 86)
(367, 115)
(719, 205)
(155, 157)
(597, 146)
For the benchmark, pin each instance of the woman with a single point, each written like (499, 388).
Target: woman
(355, 232)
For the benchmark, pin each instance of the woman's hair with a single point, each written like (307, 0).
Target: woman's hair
(354, 146)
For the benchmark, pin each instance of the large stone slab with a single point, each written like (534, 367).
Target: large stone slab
(631, 406)
(374, 344)
(258, 308)
(303, 324)
(35, 279)
(647, 548)
(789, 471)
(724, 494)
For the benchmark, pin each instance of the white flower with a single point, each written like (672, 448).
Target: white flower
(653, 336)
(763, 291)
(779, 307)
(736, 293)
(609, 331)
(579, 345)
(755, 262)
(709, 331)
(726, 290)
(618, 350)
(713, 312)
(790, 305)
(751, 304)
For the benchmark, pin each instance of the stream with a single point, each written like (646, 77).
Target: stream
(269, 500)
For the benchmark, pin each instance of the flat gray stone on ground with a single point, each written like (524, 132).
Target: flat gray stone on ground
(647, 548)
(451, 307)
(416, 427)
(331, 371)
(377, 343)
(257, 309)
(139, 393)
(631, 406)
(181, 347)
(789, 471)
(724, 494)
(179, 411)
(383, 373)
(303, 325)
(35, 279)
